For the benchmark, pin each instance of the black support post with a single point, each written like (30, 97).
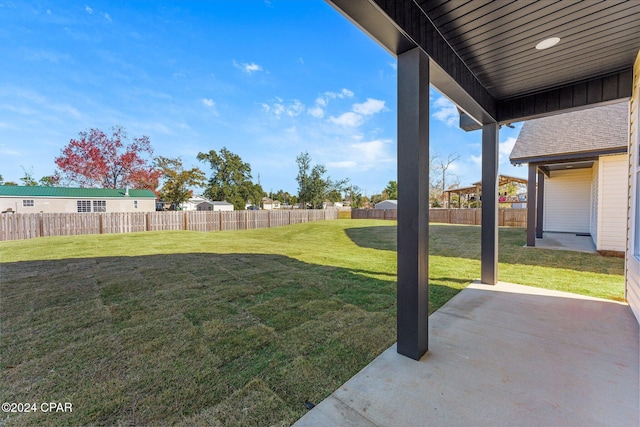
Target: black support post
(413, 203)
(540, 205)
(531, 205)
(489, 242)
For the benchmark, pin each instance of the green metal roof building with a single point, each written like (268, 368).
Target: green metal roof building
(34, 199)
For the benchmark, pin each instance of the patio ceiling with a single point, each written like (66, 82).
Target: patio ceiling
(483, 54)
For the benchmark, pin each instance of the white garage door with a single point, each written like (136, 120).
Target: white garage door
(567, 200)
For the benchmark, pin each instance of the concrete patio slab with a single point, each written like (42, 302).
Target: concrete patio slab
(566, 242)
(504, 355)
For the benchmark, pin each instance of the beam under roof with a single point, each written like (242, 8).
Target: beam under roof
(400, 25)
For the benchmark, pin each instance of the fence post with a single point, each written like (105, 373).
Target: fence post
(184, 220)
(100, 223)
(290, 217)
(220, 220)
(41, 221)
(268, 219)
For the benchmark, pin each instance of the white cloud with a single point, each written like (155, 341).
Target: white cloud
(477, 160)
(248, 68)
(347, 119)
(445, 111)
(88, 9)
(364, 155)
(210, 104)
(505, 148)
(48, 11)
(316, 112)
(345, 164)
(323, 100)
(107, 16)
(370, 106)
(279, 108)
(355, 117)
(393, 65)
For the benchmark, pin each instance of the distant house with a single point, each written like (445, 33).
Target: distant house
(581, 163)
(387, 204)
(214, 206)
(37, 199)
(192, 203)
(268, 204)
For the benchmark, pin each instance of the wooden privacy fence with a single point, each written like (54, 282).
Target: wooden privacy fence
(506, 217)
(18, 226)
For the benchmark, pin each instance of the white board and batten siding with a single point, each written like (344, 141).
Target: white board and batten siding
(612, 206)
(632, 273)
(567, 201)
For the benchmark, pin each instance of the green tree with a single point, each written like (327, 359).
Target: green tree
(50, 180)
(391, 190)
(377, 198)
(313, 187)
(230, 179)
(27, 179)
(355, 197)
(177, 182)
(282, 196)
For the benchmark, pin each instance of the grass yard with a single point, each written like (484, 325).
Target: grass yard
(231, 328)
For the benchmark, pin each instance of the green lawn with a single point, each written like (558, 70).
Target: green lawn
(231, 328)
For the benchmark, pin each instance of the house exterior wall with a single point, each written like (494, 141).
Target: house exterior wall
(567, 201)
(206, 206)
(70, 205)
(612, 209)
(632, 270)
(595, 206)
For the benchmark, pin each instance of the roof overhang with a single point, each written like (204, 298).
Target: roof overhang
(569, 157)
(466, 40)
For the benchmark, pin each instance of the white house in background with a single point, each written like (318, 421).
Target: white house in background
(582, 169)
(387, 204)
(214, 206)
(268, 204)
(36, 199)
(192, 203)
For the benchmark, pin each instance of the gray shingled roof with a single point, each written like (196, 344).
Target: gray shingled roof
(569, 135)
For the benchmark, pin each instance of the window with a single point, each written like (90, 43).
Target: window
(99, 205)
(27, 203)
(135, 204)
(84, 206)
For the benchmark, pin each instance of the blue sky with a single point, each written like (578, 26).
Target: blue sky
(266, 79)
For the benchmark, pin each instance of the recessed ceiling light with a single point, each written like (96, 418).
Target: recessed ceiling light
(547, 43)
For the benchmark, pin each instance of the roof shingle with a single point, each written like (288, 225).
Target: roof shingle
(600, 129)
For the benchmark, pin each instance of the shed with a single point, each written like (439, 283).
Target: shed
(387, 204)
(214, 206)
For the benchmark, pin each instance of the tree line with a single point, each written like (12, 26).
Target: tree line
(99, 160)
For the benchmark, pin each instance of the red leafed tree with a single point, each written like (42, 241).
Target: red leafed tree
(98, 160)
